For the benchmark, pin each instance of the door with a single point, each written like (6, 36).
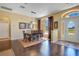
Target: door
(71, 29)
(50, 27)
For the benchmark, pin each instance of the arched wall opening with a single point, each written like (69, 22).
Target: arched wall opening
(69, 25)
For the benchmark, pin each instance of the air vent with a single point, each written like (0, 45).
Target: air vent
(33, 12)
(22, 6)
(3, 7)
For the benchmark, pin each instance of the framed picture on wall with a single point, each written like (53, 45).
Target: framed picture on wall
(22, 25)
(56, 25)
(28, 26)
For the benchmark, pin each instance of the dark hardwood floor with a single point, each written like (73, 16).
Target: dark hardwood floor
(45, 48)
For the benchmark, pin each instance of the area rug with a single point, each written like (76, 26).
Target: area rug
(31, 43)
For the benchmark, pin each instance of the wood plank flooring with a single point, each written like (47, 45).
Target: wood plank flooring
(8, 52)
(45, 48)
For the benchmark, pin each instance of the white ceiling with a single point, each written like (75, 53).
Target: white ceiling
(41, 9)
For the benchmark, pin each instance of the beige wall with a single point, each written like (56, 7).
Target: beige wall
(13, 19)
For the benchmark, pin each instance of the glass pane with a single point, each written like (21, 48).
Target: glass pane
(71, 28)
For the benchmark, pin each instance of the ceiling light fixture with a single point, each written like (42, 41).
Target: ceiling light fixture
(33, 12)
(22, 6)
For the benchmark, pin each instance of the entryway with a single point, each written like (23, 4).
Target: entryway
(70, 29)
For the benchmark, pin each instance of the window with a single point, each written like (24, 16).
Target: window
(46, 24)
(71, 28)
(74, 14)
(71, 14)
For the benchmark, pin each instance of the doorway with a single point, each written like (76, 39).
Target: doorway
(48, 27)
(70, 29)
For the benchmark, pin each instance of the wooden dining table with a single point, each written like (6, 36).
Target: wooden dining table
(33, 35)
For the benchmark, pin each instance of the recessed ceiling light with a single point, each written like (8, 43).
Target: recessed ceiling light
(33, 12)
(22, 6)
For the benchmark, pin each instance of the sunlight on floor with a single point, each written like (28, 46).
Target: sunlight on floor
(45, 48)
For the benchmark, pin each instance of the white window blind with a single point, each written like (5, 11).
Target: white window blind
(4, 30)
